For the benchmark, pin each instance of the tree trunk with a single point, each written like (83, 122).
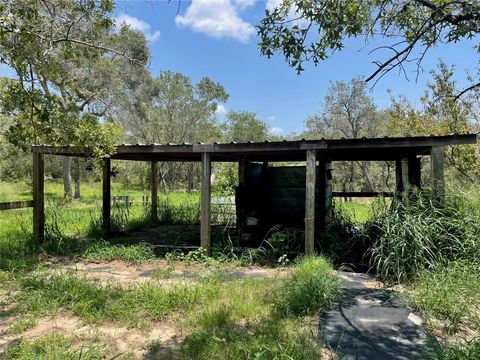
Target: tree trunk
(67, 179)
(368, 174)
(76, 178)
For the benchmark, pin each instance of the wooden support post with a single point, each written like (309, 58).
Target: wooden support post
(325, 193)
(405, 177)
(205, 202)
(402, 178)
(106, 192)
(264, 199)
(154, 187)
(438, 177)
(310, 202)
(38, 198)
(415, 172)
(240, 195)
(328, 213)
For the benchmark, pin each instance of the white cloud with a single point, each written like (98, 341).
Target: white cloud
(139, 25)
(243, 4)
(272, 4)
(221, 110)
(277, 131)
(217, 18)
(153, 37)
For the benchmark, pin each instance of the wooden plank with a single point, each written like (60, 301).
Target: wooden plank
(205, 202)
(38, 198)
(437, 167)
(154, 188)
(362, 194)
(106, 195)
(16, 205)
(310, 202)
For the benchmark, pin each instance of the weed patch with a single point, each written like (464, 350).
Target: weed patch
(52, 347)
(311, 287)
(450, 293)
(103, 251)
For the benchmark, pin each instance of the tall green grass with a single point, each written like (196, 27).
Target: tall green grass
(409, 236)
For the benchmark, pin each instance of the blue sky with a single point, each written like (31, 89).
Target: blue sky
(217, 38)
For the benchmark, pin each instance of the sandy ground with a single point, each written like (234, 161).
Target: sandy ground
(164, 273)
(126, 341)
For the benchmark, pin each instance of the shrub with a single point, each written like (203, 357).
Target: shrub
(311, 287)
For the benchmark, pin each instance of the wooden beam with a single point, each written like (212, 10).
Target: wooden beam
(437, 166)
(310, 202)
(106, 195)
(362, 194)
(401, 177)
(154, 188)
(11, 205)
(38, 198)
(205, 202)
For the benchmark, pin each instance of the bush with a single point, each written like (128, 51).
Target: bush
(311, 287)
(420, 233)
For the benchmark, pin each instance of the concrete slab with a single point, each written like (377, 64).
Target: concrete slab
(367, 324)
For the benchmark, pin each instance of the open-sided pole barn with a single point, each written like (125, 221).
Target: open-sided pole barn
(317, 155)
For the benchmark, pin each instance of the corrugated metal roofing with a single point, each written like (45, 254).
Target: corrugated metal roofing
(342, 149)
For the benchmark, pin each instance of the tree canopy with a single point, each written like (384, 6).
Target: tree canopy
(312, 30)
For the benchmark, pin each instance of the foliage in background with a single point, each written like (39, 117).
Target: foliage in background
(441, 114)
